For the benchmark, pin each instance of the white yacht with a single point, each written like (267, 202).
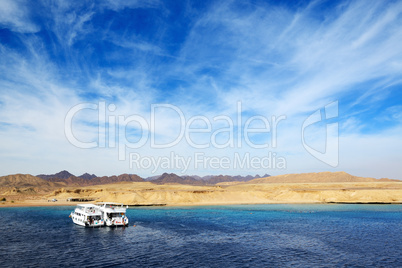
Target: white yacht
(87, 215)
(114, 214)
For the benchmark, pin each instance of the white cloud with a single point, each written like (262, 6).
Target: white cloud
(314, 59)
(15, 15)
(69, 20)
(118, 5)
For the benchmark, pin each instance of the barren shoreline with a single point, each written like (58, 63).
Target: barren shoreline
(73, 204)
(148, 194)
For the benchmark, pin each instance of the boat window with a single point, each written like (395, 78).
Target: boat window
(114, 215)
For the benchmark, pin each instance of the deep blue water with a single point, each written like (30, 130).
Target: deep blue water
(215, 236)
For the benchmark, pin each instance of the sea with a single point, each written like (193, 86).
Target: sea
(330, 235)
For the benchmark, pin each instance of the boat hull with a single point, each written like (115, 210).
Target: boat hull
(86, 224)
(116, 223)
(85, 220)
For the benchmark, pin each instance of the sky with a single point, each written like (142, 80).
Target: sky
(201, 87)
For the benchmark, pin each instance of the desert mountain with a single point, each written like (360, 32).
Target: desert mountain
(61, 175)
(152, 178)
(71, 181)
(197, 180)
(60, 180)
(65, 175)
(173, 178)
(25, 180)
(87, 176)
(320, 177)
(226, 178)
(79, 181)
(120, 178)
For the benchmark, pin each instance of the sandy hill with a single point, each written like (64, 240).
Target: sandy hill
(25, 180)
(147, 193)
(320, 177)
(324, 187)
(71, 181)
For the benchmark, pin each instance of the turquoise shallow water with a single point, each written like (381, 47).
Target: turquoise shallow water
(215, 236)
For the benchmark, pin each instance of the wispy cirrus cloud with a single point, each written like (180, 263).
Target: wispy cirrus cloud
(121, 4)
(15, 15)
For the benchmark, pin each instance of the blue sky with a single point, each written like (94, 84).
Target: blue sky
(275, 58)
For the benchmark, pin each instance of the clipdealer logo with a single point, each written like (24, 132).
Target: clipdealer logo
(116, 131)
(330, 155)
